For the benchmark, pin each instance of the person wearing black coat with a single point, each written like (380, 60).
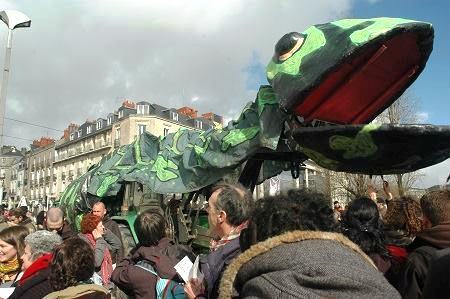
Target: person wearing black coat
(36, 286)
(36, 259)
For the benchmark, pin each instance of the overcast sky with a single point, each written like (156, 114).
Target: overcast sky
(81, 59)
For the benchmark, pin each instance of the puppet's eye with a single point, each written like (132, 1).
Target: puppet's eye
(288, 45)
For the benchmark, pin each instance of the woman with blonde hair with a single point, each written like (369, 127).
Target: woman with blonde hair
(12, 244)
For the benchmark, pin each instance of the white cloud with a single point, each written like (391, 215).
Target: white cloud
(422, 117)
(80, 59)
(435, 175)
(80, 53)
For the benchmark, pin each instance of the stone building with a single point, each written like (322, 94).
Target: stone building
(40, 187)
(84, 146)
(9, 156)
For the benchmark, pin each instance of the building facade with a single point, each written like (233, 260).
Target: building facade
(156, 120)
(40, 187)
(9, 157)
(18, 181)
(84, 146)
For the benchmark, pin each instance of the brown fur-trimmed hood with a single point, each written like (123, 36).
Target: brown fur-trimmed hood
(281, 247)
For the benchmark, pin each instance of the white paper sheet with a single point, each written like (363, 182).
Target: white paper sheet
(6, 292)
(183, 268)
(188, 270)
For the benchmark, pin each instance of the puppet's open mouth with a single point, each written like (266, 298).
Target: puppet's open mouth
(365, 83)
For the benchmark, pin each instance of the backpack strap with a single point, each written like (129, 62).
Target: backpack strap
(165, 288)
(147, 267)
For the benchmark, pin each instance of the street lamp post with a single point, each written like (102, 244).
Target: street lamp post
(13, 19)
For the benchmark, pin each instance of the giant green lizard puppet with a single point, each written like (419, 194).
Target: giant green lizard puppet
(326, 85)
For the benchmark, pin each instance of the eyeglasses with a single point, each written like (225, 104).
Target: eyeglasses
(55, 229)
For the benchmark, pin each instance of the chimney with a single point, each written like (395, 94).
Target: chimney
(70, 129)
(128, 104)
(213, 117)
(44, 141)
(188, 111)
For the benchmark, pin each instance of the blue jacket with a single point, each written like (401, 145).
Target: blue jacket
(214, 264)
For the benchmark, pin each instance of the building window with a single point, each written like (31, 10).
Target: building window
(117, 133)
(174, 116)
(141, 129)
(198, 124)
(166, 131)
(120, 113)
(99, 125)
(79, 133)
(89, 130)
(109, 121)
(72, 136)
(143, 109)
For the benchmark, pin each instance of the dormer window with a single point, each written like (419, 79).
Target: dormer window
(79, 133)
(109, 121)
(174, 116)
(89, 130)
(198, 124)
(143, 109)
(99, 125)
(72, 136)
(120, 113)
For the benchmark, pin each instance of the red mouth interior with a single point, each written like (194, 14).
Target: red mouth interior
(360, 87)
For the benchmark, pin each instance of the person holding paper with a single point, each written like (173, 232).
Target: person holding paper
(152, 260)
(229, 208)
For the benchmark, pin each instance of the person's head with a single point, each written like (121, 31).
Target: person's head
(12, 243)
(40, 219)
(150, 227)
(99, 209)
(336, 204)
(24, 209)
(435, 207)
(362, 224)
(37, 244)
(54, 220)
(228, 207)
(17, 215)
(404, 214)
(382, 207)
(73, 262)
(296, 210)
(90, 222)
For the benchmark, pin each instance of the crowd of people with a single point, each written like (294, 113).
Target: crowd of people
(293, 245)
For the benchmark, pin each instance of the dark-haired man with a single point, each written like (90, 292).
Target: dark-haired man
(436, 235)
(155, 256)
(18, 216)
(229, 208)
